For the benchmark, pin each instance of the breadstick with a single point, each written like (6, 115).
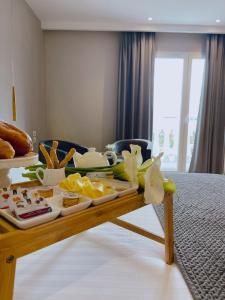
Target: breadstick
(46, 156)
(53, 154)
(67, 158)
(55, 160)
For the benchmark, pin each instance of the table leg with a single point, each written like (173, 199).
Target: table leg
(7, 275)
(169, 232)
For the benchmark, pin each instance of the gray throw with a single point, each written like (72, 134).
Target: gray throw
(199, 220)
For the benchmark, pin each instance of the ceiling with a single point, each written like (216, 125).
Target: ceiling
(167, 15)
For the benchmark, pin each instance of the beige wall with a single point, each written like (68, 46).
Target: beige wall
(81, 86)
(29, 70)
(180, 42)
(81, 81)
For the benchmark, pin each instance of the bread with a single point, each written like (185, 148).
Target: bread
(70, 199)
(68, 202)
(6, 150)
(19, 140)
(45, 192)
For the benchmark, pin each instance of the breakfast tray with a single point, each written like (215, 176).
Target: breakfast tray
(55, 202)
(15, 243)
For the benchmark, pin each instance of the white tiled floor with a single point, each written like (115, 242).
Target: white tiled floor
(105, 263)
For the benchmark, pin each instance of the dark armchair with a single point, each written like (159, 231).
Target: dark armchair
(146, 146)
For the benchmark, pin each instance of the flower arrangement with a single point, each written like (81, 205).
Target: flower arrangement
(147, 175)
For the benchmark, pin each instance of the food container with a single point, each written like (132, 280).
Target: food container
(57, 202)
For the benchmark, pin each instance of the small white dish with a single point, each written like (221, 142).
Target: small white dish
(7, 214)
(104, 199)
(128, 191)
(57, 201)
(127, 187)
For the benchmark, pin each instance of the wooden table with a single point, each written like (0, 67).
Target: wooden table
(15, 243)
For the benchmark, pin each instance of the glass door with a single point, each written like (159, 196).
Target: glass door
(177, 89)
(168, 83)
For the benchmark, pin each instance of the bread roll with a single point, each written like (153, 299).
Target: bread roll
(20, 140)
(6, 150)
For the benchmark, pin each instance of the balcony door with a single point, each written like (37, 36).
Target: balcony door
(178, 83)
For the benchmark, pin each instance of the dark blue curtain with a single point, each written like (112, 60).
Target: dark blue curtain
(135, 86)
(208, 153)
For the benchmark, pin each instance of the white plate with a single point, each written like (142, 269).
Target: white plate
(6, 213)
(17, 162)
(104, 199)
(128, 187)
(57, 201)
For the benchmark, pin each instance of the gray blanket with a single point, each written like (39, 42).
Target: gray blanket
(199, 220)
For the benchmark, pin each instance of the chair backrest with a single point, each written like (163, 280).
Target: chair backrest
(63, 149)
(146, 146)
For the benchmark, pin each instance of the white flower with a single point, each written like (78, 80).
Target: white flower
(154, 191)
(132, 161)
(136, 150)
(130, 166)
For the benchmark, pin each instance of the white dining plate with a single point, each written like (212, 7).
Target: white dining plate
(17, 162)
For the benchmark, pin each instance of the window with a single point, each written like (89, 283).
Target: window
(177, 90)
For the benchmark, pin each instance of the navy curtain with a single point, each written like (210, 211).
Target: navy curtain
(208, 153)
(135, 86)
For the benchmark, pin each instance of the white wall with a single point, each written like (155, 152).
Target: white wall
(81, 81)
(28, 61)
(81, 86)
(180, 42)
